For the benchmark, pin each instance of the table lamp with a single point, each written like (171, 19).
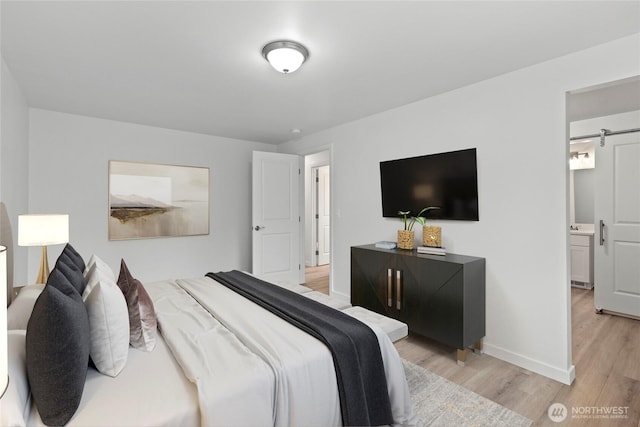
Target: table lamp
(4, 367)
(43, 230)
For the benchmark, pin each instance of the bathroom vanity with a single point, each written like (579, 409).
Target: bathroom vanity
(581, 245)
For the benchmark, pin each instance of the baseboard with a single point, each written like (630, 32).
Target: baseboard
(342, 296)
(565, 376)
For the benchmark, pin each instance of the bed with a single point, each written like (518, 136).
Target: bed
(201, 354)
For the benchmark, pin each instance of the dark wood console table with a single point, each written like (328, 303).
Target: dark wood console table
(438, 296)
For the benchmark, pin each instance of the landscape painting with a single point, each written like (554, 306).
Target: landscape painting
(149, 200)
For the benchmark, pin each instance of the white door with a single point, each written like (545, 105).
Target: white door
(323, 215)
(276, 221)
(617, 216)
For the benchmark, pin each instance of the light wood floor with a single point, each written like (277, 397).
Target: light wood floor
(317, 278)
(606, 354)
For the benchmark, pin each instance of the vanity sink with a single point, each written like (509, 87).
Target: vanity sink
(581, 232)
(581, 229)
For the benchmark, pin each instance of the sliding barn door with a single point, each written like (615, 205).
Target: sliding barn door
(617, 215)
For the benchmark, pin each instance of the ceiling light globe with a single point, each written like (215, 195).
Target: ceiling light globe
(285, 60)
(285, 56)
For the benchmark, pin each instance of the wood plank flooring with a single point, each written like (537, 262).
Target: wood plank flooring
(317, 278)
(606, 353)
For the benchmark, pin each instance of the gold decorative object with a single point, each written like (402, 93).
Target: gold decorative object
(431, 236)
(406, 239)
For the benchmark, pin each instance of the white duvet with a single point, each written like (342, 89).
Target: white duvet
(252, 368)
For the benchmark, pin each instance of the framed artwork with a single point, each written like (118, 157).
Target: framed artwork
(149, 200)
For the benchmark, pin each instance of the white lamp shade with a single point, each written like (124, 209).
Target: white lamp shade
(285, 60)
(43, 230)
(4, 355)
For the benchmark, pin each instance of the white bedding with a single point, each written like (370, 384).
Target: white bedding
(235, 387)
(304, 381)
(150, 391)
(231, 363)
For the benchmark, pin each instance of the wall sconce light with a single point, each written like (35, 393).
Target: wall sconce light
(43, 230)
(576, 155)
(285, 56)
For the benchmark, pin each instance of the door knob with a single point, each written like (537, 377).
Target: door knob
(259, 227)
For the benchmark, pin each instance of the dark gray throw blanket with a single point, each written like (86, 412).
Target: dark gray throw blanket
(362, 386)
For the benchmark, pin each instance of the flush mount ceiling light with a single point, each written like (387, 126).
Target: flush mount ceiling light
(284, 55)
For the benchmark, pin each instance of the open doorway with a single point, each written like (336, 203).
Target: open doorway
(593, 114)
(317, 239)
(613, 106)
(321, 214)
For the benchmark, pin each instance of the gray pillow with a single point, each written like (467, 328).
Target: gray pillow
(74, 256)
(71, 271)
(57, 350)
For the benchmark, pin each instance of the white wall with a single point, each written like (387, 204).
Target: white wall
(68, 173)
(518, 124)
(14, 168)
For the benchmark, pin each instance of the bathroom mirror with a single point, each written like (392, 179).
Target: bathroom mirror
(582, 155)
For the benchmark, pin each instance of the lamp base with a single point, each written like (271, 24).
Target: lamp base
(43, 274)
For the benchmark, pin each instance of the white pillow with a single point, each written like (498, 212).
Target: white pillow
(88, 265)
(20, 309)
(16, 403)
(108, 320)
(101, 264)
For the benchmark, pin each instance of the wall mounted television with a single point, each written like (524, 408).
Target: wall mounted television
(448, 180)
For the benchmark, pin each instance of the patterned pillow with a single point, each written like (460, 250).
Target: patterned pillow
(57, 349)
(143, 323)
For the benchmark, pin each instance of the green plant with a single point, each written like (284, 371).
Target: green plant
(410, 222)
(404, 218)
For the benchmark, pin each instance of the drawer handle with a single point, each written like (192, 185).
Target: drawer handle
(398, 289)
(389, 287)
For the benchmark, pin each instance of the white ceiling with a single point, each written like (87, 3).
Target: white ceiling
(196, 66)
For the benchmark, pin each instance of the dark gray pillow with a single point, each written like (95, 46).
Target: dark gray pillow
(71, 272)
(75, 257)
(57, 350)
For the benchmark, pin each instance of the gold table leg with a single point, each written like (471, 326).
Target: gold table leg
(477, 346)
(462, 352)
(462, 356)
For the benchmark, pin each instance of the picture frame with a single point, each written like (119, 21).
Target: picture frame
(151, 200)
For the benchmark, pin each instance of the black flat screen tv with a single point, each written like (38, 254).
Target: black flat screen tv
(447, 180)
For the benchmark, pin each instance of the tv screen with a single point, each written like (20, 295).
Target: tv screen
(447, 180)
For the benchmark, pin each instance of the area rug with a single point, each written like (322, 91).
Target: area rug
(440, 402)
